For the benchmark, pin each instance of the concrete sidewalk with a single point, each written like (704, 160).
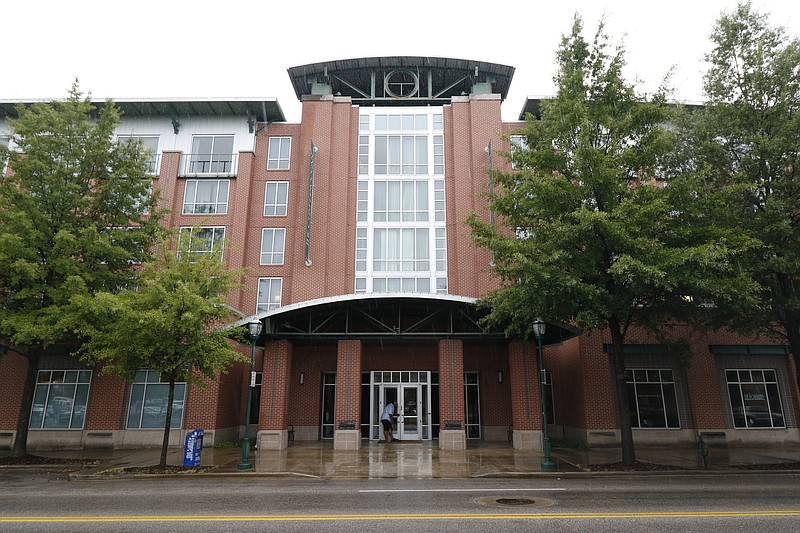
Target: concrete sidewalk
(426, 460)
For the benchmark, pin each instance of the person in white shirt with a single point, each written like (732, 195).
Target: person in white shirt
(386, 420)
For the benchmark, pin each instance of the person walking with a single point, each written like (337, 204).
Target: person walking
(386, 420)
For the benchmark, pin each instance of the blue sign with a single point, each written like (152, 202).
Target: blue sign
(193, 448)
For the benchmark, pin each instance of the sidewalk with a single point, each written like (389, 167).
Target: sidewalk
(426, 460)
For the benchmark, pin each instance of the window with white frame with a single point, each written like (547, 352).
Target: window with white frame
(276, 194)
(279, 153)
(518, 144)
(652, 399)
(3, 156)
(60, 398)
(269, 294)
(149, 143)
(272, 246)
(204, 240)
(400, 221)
(208, 197)
(755, 398)
(211, 154)
(147, 408)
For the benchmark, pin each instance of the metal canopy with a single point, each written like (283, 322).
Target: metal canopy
(260, 110)
(401, 80)
(388, 318)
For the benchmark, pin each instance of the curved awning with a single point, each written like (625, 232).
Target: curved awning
(392, 317)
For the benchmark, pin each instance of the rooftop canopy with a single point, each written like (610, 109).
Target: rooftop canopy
(401, 80)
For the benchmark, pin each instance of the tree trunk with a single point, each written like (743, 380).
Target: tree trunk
(20, 446)
(617, 357)
(167, 423)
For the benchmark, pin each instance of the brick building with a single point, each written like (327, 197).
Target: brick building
(363, 273)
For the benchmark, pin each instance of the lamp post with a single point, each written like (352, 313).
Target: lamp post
(253, 332)
(547, 464)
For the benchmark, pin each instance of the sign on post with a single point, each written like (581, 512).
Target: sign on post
(193, 448)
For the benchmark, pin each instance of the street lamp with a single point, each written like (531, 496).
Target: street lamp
(253, 332)
(547, 464)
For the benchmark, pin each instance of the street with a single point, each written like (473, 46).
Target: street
(727, 502)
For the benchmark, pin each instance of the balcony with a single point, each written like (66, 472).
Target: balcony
(208, 165)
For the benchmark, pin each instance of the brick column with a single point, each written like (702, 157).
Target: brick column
(347, 431)
(13, 367)
(273, 432)
(525, 395)
(452, 434)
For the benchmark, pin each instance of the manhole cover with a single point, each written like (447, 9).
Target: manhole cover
(515, 502)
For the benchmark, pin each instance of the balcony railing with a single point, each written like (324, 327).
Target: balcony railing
(209, 165)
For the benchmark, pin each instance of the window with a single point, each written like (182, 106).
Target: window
(548, 395)
(150, 144)
(652, 399)
(3, 159)
(149, 400)
(59, 400)
(272, 243)
(755, 399)
(400, 249)
(400, 200)
(401, 154)
(472, 405)
(211, 154)
(279, 152)
(196, 241)
(269, 294)
(206, 197)
(276, 194)
(518, 144)
(255, 398)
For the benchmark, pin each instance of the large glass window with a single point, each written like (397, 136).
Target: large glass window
(279, 153)
(149, 401)
(269, 294)
(206, 197)
(400, 249)
(272, 243)
(472, 405)
(150, 144)
(518, 144)
(755, 399)
(59, 400)
(652, 399)
(396, 201)
(401, 154)
(196, 241)
(211, 154)
(276, 198)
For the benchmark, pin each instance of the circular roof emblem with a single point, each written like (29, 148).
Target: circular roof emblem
(401, 84)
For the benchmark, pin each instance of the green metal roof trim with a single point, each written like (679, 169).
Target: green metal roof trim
(748, 349)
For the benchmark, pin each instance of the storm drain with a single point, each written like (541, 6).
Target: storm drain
(516, 502)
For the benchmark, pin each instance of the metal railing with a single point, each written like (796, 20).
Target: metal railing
(216, 165)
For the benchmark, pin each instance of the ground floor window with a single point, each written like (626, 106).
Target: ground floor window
(472, 405)
(59, 401)
(548, 395)
(148, 404)
(255, 399)
(328, 404)
(755, 399)
(652, 399)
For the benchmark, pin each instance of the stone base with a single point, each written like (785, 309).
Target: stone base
(273, 439)
(347, 439)
(452, 439)
(527, 440)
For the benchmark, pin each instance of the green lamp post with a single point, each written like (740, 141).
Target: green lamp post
(253, 333)
(547, 464)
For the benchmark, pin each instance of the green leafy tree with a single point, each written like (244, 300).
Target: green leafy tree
(170, 323)
(75, 217)
(746, 143)
(588, 234)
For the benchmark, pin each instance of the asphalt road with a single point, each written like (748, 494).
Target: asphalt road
(708, 503)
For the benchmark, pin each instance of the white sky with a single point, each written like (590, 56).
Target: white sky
(242, 48)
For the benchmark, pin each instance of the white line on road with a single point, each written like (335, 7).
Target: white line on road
(459, 490)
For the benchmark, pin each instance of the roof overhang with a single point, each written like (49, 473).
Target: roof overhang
(390, 317)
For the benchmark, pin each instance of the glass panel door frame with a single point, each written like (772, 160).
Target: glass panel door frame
(413, 420)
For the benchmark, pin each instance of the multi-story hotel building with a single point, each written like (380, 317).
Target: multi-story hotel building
(351, 224)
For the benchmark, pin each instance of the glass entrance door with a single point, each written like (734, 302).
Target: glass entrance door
(413, 404)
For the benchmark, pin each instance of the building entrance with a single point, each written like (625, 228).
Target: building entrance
(412, 392)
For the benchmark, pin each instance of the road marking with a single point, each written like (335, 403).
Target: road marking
(461, 490)
(379, 517)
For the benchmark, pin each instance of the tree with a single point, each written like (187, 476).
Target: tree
(747, 143)
(171, 323)
(75, 217)
(589, 235)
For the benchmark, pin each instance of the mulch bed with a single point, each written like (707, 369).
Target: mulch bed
(638, 466)
(155, 469)
(33, 460)
(773, 466)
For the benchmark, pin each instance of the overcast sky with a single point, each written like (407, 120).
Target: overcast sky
(242, 48)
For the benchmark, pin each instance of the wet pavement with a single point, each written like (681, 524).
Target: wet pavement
(424, 460)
